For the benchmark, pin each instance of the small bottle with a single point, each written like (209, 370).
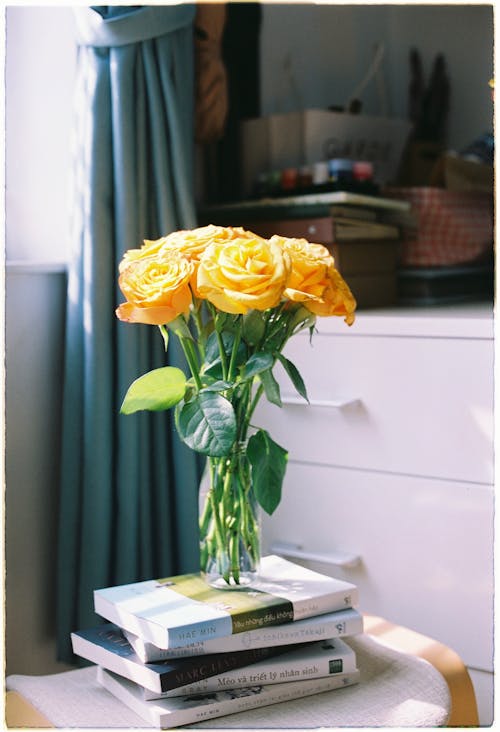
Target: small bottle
(340, 170)
(289, 178)
(362, 170)
(305, 178)
(274, 182)
(320, 174)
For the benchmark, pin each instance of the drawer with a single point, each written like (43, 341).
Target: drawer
(418, 406)
(426, 548)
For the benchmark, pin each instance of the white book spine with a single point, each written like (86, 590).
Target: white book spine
(312, 607)
(168, 713)
(317, 661)
(332, 625)
(163, 637)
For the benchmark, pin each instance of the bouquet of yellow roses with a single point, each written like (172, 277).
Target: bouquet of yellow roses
(233, 299)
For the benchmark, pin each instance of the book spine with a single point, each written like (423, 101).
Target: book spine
(197, 669)
(215, 627)
(333, 602)
(315, 666)
(219, 705)
(264, 696)
(304, 632)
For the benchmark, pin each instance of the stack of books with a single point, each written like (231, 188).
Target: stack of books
(363, 234)
(177, 651)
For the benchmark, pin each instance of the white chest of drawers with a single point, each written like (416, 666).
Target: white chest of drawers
(392, 461)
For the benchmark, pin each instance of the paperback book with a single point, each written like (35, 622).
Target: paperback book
(106, 646)
(180, 610)
(181, 710)
(331, 625)
(310, 661)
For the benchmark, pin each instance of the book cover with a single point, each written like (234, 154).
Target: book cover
(168, 713)
(309, 661)
(356, 212)
(331, 625)
(177, 611)
(348, 229)
(106, 646)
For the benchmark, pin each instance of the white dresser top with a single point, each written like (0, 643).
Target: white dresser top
(471, 320)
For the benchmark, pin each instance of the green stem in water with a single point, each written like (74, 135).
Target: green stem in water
(219, 537)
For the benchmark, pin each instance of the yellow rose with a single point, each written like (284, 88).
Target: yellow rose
(148, 249)
(192, 243)
(156, 288)
(310, 264)
(337, 299)
(243, 274)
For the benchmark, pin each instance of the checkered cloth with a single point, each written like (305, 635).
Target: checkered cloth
(452, 227)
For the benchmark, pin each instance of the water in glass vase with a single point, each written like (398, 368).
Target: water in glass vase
(229, 522)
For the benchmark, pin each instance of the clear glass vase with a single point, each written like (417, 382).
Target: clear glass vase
(229, 522)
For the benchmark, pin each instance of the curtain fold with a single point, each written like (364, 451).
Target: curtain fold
(128, 493)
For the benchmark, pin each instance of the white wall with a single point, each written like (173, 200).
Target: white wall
(34, 357)
(329, 49)
(39, 72)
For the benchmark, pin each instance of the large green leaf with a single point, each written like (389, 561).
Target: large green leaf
(158, 389)
(294, 375)
(207, 424)
(268, 461)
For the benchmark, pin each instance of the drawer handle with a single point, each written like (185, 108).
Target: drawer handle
(330, 403)
(337, 559)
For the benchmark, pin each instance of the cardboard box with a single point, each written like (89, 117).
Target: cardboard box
(309, 136)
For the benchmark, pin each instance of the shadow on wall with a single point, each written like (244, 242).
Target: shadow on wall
(34, 360)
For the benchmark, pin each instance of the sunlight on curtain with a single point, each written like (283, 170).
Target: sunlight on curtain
(128, 494)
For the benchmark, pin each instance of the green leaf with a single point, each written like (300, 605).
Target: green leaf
(271, 387)
(214, 371)
(254, 326)
(216, 385)
(294, 375)
(207, 424)
(268, 461)
(158, 389)
(257, 363)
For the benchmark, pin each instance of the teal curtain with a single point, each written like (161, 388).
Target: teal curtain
(128, 493)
